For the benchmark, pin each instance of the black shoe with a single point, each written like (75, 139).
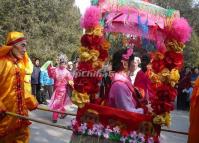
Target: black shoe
(45, 103)
(54, 121)
(63, 116)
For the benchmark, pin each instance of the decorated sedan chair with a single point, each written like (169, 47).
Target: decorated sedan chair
(113, 24)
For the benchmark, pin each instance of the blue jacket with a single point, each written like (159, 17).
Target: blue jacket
(45, 79)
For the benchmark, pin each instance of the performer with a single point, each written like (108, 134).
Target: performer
(122, 93)
(134, 69)
(13, 63)
(139, 77)
(194, 112)
(62, 79)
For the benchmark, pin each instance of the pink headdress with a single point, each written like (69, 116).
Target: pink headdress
(127, 55)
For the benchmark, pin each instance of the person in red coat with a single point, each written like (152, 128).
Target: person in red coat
(139, 77)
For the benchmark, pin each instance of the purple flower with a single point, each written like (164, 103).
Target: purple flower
(150, 140)
(73, 122)
(82, 128)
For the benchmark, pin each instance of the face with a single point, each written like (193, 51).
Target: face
(70, 66)
(19, 49)
(196, 70)
(37, 62)
(133, 65)
(125, 65)
(187, 70)
(62, 65)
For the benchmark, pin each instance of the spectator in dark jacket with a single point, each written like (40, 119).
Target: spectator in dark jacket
(35, 80)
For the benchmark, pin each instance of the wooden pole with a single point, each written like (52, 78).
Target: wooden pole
(67, 128)
(38, 121)
(176, 132)
(48, 110)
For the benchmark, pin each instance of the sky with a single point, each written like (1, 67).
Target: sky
(82, 4)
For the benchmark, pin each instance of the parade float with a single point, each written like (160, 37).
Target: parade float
(145, 27)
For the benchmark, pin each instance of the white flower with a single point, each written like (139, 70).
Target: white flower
(106, 135)
(133, 134)
(90, 132)
(123, 139)
(116, 130)
(108, 130)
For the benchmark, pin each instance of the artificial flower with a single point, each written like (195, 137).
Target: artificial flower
(74, 125)
(163, 119)
(155, 78)
(85, 66)
(174, 77)
(175, 46)
(173, 60)
(80, 98)
(97, 31)
(158, 65)
(157, 56)
(91, 17)
(166, 93)
(94, 54)
(105, 45)
(87, 83)
(164, 75)
(97, 65)
(91, 41)
(171, 77)
(103, 54)
(85, 56)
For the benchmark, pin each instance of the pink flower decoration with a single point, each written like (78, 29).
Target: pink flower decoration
(91, 18)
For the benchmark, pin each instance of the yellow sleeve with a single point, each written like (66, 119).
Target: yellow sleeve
(30, 100)
(2, 106)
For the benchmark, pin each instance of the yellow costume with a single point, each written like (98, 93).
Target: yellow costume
(13, 96)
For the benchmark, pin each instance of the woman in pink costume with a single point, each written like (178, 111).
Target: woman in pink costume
(122, 94)
(62, 79)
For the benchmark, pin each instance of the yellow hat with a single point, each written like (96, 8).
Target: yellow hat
(14, 37)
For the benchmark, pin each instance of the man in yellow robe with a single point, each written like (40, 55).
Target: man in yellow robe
(194, 115)
(14, 97)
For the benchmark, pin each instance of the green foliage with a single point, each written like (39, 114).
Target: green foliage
(51, 26)
(191, 52)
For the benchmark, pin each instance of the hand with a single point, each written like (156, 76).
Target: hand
(42, 88)
(184, 90)
(2, 115)
(2, 111)
(150, 109)
(138, 110)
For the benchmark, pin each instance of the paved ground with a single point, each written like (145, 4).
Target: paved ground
(47, 134)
